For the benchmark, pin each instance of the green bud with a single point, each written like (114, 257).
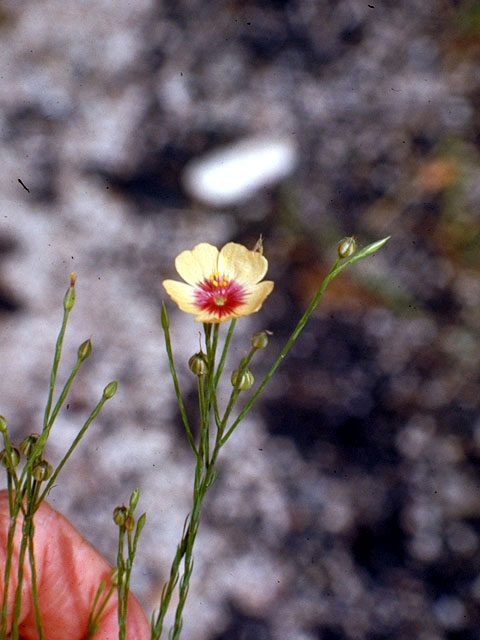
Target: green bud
(3, 424)
(164, 317)
(42, 470)
(120, 515)
(134, 498)
(28, 443)
(69, 299)
(245, 381)
(10, 459)
(114, 576)
(141, 523)
(260, 339)
(198, 364)
(84, 350)
(347, 247)
(110, 390)
(130, 522)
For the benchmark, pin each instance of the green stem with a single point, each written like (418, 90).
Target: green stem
(189, 542)
(338, 266)
(8, 568)
(167, 591)
(296, 332)
(28, 529)
(14, 635)
(235, 393)
(203, 408)
(75, 442)
(53, 373)
(181, 405)
(63, 395)
(96, 613)
(40, 443)
(36, 605)
(121, 585)
(223, 357)
(191, 534)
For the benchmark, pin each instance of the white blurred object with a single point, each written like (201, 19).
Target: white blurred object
(232, 174)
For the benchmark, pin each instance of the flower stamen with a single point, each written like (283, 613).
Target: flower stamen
(219, 295)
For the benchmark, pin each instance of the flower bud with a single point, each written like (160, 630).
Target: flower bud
(120, 515)
(260, 340)
(28, 443)
(164, 317)
(347, 247)
(141, 523)
(130, 522)
(242, 380)
(110, 390)
(69, 299)
(42, 470)
(10, 459)
(198, 364)
(84, 350)
(3, 424)
(134, 498)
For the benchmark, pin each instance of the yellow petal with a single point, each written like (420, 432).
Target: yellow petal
(182, 294)
(209, 318)
(195, 265)
(256, 297)
(238, 262)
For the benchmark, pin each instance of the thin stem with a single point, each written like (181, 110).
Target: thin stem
(56, 360)
(28, 529)
(8, 568)
(36, 605)
(235, 392)
(216, 412)
(189, 538)
(209, 390)
(296, 332)
(40, 443)
(181, 405)
(65, 390)
(75, 442)
(18, 591)
(203, 408)
(223, 357)
(338, 266)
(121, 585)
(95, 615)
(157, 625)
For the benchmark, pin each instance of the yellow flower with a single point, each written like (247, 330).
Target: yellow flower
(219, 285)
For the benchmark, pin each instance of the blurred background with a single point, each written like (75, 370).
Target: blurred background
(348, 503)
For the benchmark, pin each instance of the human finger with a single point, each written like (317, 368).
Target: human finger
(69, 572)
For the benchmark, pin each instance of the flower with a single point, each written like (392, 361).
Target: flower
(219, 285)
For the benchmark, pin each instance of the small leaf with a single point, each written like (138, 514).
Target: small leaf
(372, 248)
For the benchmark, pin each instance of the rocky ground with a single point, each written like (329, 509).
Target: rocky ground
(348, 504)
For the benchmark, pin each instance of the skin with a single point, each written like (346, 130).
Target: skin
(69, 571)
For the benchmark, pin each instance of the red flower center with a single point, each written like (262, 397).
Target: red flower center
(219, 295)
